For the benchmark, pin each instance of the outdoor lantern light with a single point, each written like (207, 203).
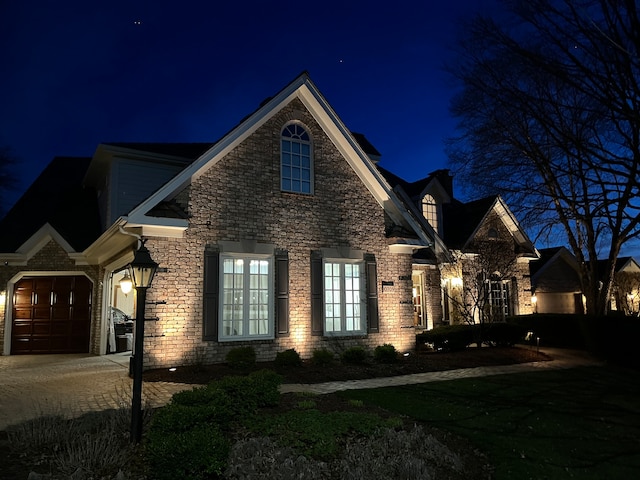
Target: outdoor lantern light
(142, 270)
(125, 283)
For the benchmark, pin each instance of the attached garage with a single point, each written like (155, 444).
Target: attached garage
(51, 314)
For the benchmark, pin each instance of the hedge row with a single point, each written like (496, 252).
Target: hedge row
(458, 337)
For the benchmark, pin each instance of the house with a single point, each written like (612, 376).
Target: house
(282, 234)
(556, 285)
(555, 282)
(478, 268)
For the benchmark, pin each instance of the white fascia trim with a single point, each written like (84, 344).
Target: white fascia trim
(433, 186)
(304, 89)
(160, 230)
(406, 248)
(38, 240)
(216, 152)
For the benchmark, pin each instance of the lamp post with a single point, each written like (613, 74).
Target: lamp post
(141, 270)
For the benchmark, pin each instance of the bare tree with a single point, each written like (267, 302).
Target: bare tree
(626, 290)
(549, 116)
(7, 177)
(482, 289)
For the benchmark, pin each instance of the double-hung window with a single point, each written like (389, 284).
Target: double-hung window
(296, 168)
(344, 298)
(246, 302)
(498, 298)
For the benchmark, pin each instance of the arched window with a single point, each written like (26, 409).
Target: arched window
(430, 211)
(296, 169)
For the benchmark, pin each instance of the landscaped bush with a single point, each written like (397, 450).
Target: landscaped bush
(241, 358)
(385, 353)
(187, 438)
(288, 358)
(322, 356)
(503, 334)
(200, 452)
(448, 337)
(354, 355)
(266, 385)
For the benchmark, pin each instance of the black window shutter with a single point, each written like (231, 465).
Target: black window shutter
(317, 307)
(210, 294)
(373, 321)
(282, 293)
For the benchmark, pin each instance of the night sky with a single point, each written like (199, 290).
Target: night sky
(78, 73)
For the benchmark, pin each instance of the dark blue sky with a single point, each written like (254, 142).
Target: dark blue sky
(77, 73)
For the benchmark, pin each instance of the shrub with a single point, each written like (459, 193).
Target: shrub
(503, 334)
(448, 337)
(322, 356)
(266, 385)
(200, 452)
(385, 353)
(288, 358)
(354, 355)
(175, 418)
(241, 358)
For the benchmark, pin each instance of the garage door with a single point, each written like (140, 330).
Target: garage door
(51, 315)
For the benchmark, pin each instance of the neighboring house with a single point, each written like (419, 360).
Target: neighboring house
(283, 234)
(625, 291)
(478, 268)
(556, 287)
(555, 282)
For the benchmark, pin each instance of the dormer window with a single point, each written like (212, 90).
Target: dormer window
(296, 168)
(430, 211)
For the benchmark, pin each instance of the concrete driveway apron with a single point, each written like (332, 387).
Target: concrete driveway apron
(70, 385)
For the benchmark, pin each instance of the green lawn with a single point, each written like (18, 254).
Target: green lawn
(580, 423)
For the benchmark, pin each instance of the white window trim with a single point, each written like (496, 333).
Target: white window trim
(311, 162)
(271, 292)
(363, 299)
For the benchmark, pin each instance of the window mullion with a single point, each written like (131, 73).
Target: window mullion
(246, 294)
(343, 299)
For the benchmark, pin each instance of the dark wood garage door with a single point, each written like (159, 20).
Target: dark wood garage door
(51, 315)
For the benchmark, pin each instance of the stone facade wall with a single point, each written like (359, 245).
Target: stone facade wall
(51, 259)
(239, 199)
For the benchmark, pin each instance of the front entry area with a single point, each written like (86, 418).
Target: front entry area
(51, 315)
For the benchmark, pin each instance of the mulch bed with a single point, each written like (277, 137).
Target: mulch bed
(310, 373)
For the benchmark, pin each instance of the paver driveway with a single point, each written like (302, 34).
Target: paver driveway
(33, 385)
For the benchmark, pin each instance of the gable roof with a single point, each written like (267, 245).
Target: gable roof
(548, 256)
(461, 222)
(354, 148)
(417, 189)
(58, 199)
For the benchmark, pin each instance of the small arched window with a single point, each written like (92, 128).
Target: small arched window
(430, 211)
(492, 233)
(296, 168)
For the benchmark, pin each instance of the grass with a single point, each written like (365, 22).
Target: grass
(578, 423)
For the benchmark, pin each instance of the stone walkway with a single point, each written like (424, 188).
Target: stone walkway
(561, 359)
(70, 385)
